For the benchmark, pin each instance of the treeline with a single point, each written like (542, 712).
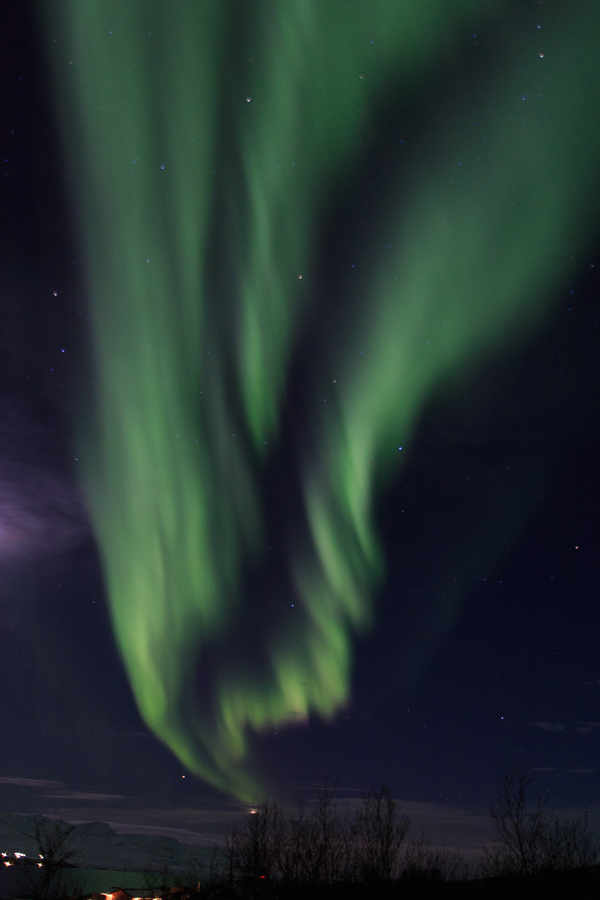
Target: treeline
(273, 849)
(370, 852)
(372, 846)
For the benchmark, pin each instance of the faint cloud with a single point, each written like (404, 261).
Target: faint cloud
(41, 513)
(32, 782)
(197, 826)
(83, 795)
(58, 790)
(449, 826)
(180, 834)
(582, 771)
(578, 727)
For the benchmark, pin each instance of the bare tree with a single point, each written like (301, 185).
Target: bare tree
(377, 835)
(295, 849)
(251, 851)
(574, 845)
(321, 847)
(47, 881)
(307, 848)
(157, 876)
(326, 836)
(520, 829)
(421, 863)
(202, 872)
(530, 838)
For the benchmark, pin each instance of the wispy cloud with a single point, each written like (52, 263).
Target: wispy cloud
(41, 513)
(33, 783)
(59, 790)
(578, 727)
(586, 727)
(83, 795)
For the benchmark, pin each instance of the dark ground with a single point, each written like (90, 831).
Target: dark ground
(580, 884)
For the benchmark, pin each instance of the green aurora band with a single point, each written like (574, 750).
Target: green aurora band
(194, 324)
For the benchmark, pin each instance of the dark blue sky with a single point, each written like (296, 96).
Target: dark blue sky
(484, 654)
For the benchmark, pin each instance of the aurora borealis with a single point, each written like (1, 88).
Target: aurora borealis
(207, 142)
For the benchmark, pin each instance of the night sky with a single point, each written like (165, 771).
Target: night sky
(482, 652)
